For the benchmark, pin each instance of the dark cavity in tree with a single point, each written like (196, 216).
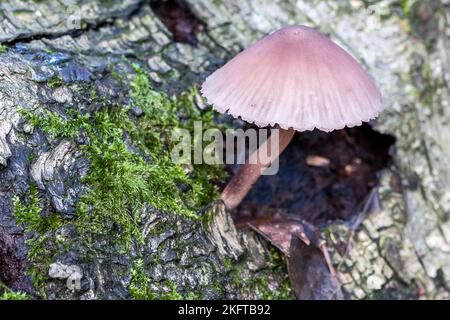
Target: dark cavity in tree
(179, 19)
(322, 176)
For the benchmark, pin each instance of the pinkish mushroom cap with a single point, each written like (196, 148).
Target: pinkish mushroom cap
(296, 78)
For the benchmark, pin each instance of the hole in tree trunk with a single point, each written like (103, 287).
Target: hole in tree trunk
(322, 176)
(179, 19)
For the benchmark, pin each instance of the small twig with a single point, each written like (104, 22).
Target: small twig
(326, 254)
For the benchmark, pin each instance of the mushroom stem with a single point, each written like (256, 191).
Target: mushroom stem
(249, 172)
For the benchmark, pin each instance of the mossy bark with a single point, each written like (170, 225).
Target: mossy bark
(401, 250)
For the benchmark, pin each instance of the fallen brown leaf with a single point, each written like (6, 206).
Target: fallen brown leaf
(310, 275)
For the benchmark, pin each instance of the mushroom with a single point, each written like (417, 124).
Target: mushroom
(295, 78)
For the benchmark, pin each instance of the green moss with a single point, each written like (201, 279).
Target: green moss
(426, 94)
(406, 7)
(2, 49)
(116, 76)
(193, 296)
(402, 7)
(49, 51)
(260, 283)
(130, 169)
(8, 294)
(139, 284)
(36, 1)
(55, 125)
(218, 287)
(40, 228)
(13, 296)
(283, 291)
(172, 294)
(123, 181)
(55, 82)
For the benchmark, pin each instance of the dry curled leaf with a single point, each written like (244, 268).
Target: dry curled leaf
(310, 269)
(278, 230)
(310, 274)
